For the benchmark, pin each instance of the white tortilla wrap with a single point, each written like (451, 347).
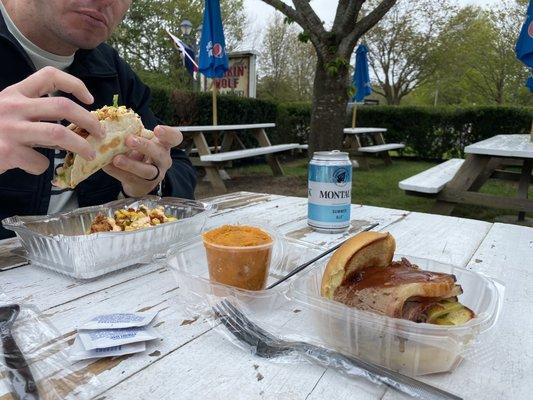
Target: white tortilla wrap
(118, 123)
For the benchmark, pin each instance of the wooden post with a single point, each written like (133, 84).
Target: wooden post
(215, 114)
(214, 91)
(354, 114)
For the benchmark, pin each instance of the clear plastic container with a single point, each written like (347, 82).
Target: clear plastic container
(60, 242)
(409, 347)
(189, 265)
(245, 267)
(296, 311)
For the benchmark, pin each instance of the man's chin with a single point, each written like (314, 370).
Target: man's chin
(86, 41)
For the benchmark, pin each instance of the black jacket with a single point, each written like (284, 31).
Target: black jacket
(105, 74)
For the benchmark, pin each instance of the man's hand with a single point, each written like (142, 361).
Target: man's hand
(26, 120)
(145, 166)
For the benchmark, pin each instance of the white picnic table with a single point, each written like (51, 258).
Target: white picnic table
(212, 158)
(352, 143)
(487, 159)
(192, 361)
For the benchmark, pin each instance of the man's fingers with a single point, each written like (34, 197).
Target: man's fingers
(50, 134)
(121, 175)
(59, 108)
(137, 168)
(168, 136)
(135, 155)
(30, 160)
(49, 80)
(155, 151)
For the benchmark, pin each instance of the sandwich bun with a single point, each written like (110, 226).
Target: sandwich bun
(366, 249)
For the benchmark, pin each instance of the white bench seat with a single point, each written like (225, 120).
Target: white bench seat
(432, 180)
(380, 148)
(257, 151)
(195, 150)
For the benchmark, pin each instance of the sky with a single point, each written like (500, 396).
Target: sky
(259, 12)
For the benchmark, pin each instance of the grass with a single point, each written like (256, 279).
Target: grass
(379, 187)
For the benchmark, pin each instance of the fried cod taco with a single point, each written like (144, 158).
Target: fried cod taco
(118, 122)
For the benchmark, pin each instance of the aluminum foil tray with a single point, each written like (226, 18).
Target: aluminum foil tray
(60, 242)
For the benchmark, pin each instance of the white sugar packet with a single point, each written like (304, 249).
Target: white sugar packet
(77, 352)
(99, 339)
(119, 321)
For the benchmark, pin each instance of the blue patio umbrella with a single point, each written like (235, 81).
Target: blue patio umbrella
(524, 48)
(213, 59)
(361, 78)
(524, 44)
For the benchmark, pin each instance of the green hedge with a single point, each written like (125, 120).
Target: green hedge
(188, 108)
(443, 132)
(428, 132)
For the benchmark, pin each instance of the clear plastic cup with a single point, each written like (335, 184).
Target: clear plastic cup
(244, 267)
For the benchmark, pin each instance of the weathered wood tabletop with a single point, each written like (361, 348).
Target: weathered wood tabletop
(194, 362)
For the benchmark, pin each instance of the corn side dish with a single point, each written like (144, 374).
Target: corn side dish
(130, 219)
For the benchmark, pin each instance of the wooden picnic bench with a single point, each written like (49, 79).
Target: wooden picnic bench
(191, 360)
(352, 143)
(458, 181)
(214, 158)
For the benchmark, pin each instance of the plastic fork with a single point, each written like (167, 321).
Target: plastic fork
(266, 345)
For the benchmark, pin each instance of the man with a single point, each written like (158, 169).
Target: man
(54, 68)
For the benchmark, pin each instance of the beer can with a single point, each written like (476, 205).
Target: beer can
(329, 191)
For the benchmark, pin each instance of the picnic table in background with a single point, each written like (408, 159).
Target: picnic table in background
(352, 143)
(458, 181)
(193, 361)
(213, 158)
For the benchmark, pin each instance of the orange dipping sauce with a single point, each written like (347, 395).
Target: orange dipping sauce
(238, 255)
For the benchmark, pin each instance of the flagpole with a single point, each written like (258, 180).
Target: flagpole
(354, 114)
(214, 102)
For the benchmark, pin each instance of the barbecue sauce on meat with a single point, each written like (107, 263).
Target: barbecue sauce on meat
(398, 273)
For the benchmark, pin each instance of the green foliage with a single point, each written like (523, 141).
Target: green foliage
(288, 20)
(443, 132)
(292, 122)
(304, 37)
(287, 65)
(333, 67)
(142, 41)
(428, 132)
(475, 60)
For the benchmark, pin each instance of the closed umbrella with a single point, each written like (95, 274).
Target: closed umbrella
(213, 60)
(361, 79)
(524, 48)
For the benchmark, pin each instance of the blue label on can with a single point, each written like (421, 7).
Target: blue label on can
(338, 174)
(330, 195)
(322, 213)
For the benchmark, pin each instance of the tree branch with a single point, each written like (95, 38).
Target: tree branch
(342, 9)
(350, 17)
(287, 10)
(313, 31)
(314, 23)
(363, 25)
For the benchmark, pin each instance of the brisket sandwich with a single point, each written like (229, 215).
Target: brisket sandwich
(118, 122)
(361, 274)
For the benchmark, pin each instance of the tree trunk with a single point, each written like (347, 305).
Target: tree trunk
(328, 115)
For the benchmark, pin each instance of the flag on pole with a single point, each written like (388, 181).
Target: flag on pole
(187, 54)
